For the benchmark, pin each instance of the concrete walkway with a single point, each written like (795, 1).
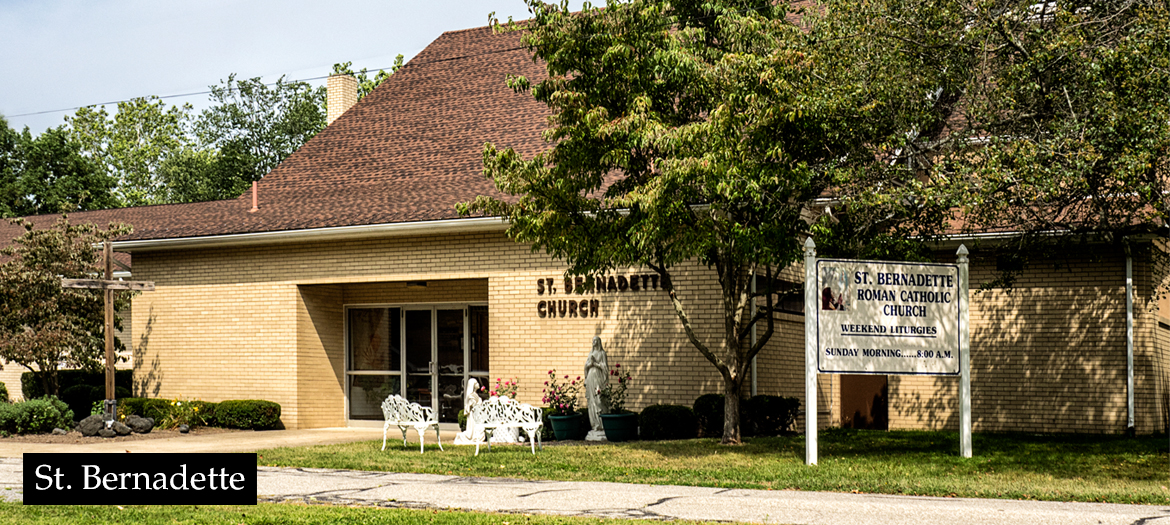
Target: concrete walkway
(386, 489)
(244, 441)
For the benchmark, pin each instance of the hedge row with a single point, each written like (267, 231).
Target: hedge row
(30, 384)
(758, 415)
(250, 414)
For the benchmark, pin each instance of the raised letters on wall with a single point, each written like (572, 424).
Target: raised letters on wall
(572, 307)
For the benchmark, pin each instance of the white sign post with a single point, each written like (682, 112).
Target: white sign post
(887, 318)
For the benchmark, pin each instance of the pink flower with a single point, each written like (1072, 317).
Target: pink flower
(546, 383)
(566, 376)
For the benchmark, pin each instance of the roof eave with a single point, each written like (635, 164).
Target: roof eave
(469, 225)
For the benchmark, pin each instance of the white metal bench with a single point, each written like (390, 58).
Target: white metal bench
(404, 414)
(503, 412)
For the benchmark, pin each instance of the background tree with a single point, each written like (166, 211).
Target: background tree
(1071, 115)
(714, 131)
(366, 85)
(44, 327)
(49, 174)
(133, 144)
(255, 126)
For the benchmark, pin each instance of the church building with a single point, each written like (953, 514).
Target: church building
(347, 275)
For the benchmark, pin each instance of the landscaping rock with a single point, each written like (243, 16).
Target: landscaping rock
(59, 432)
(183, 429)
(121, 429)
(106, 433)
(90, 426)
(140, 425)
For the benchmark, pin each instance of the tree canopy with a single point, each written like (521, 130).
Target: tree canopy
(43, 326)
(715, 131)
(147, 152)
(727, 132)
(1071, 113)
(49, 174)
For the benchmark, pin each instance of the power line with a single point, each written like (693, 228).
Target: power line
(668, 23)
(208, 92)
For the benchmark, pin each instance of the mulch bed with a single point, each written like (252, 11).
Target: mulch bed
(75, 437)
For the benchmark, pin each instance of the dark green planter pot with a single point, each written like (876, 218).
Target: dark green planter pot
(565, 427)
(620, 427)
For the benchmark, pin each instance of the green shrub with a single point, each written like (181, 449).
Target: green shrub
(190, 412)
(30, 384)
(462, 420)
(768, 415)
(39, 416)
(81, 397)
(668, 422)
(207, 412)
(4, 393)
(247, 414)
(144, 407)
(8, 413)
(709, 411)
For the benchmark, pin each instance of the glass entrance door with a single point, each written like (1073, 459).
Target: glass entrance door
(449, 345)
(418, 338)
(441, 347)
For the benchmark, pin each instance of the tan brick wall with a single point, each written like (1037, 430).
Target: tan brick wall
(320, 356)
(256, 322)
(1048, 353)
(266, 322)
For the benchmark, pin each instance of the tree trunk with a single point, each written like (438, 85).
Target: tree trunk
(731, 427)
(48, 379)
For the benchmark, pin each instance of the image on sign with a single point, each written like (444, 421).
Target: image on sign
(881, 317)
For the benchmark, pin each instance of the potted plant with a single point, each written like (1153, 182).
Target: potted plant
(561, 397)
(620, 424)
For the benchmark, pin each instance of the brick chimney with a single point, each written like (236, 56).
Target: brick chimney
(340, 95)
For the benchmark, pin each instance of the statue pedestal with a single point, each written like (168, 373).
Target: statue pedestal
(595, 435)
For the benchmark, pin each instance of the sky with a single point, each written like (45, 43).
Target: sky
(60, 54)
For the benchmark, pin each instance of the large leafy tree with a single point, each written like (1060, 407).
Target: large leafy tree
(43, 326)
(1071, 118)
(715, 131)
(49, 174)
(256, 126)
(133, 144)
(366, 85)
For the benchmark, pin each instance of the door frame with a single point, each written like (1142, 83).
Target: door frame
(403, 373)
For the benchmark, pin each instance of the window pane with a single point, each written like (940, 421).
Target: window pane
(373, 339)
(366, 394)
(478, 326)
(418, 341)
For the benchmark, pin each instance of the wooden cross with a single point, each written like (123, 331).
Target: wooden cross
(109, 285)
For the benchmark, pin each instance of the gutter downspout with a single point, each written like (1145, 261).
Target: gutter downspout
(754, 298)
(1129, 427)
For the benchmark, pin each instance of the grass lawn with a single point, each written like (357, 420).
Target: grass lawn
(286, 513)
(1112, 469)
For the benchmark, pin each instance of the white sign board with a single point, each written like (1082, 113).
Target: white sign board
(880, 317)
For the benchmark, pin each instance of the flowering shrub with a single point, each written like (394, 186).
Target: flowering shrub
(183, 413)
(502, 389)
(614, 393)
(560, 396)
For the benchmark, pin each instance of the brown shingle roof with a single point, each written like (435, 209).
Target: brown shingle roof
(408, 152)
